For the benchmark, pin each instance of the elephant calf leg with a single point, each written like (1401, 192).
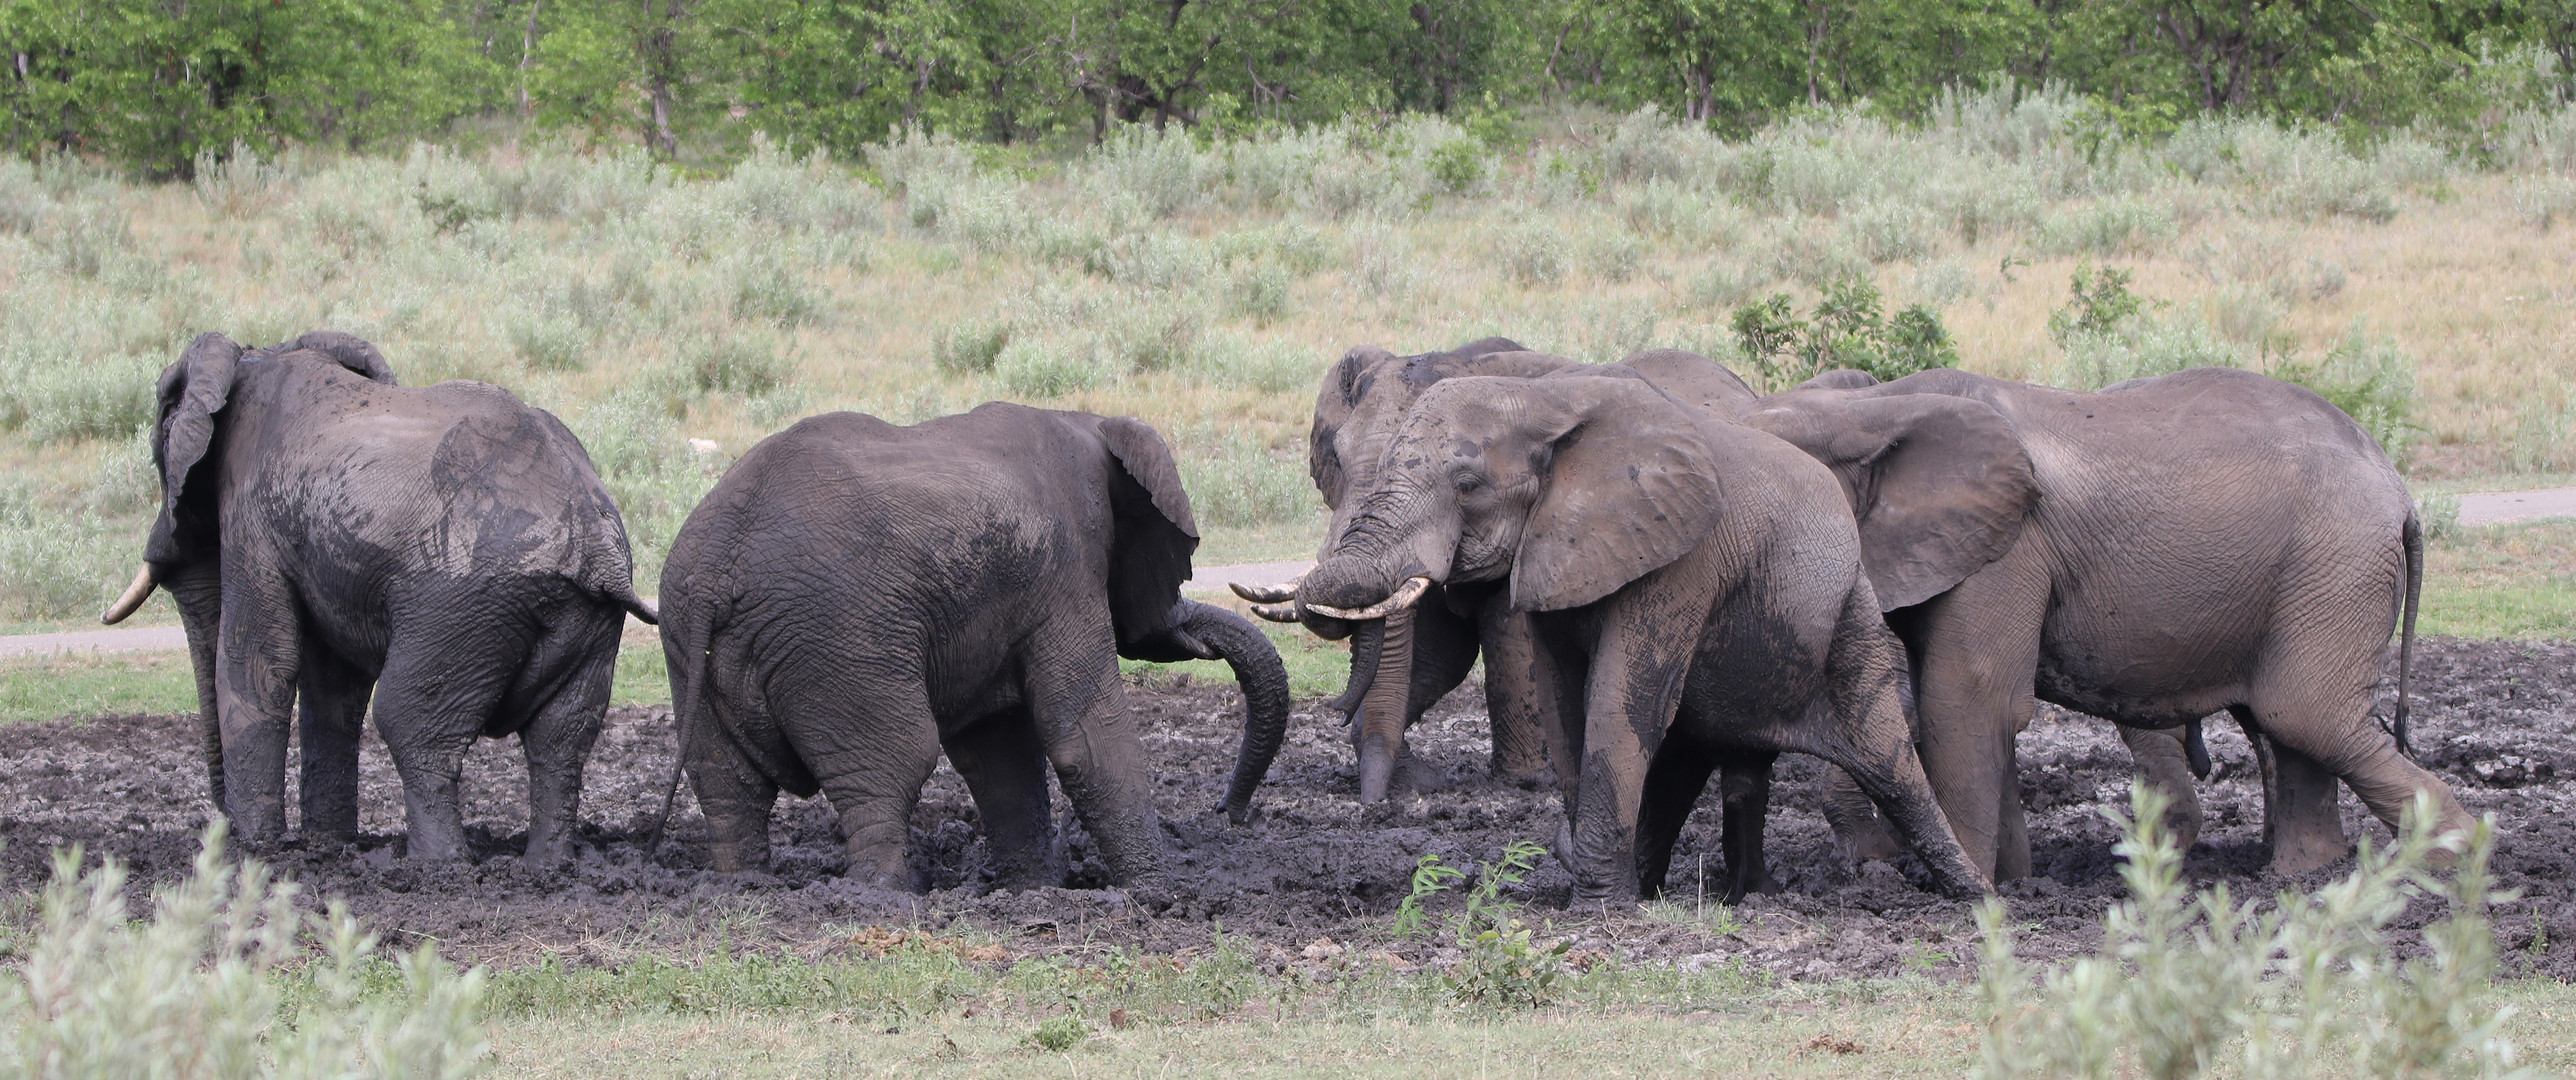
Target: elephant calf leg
(1005, 769)
(2164, 765)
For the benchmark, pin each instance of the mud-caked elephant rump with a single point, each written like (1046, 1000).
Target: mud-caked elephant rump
(331, 537)
(1696, 604)
(2212, 540)
(854, 598)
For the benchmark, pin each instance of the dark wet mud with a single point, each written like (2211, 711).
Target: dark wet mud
(1316, 876)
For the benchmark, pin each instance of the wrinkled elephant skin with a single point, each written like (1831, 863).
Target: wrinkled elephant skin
(855, 598)
(332, 538)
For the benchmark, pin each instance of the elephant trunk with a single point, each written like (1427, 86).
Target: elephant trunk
(1264, 680)
(1382, 708)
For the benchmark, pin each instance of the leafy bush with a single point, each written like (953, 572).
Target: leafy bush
(548, 341)
(2143, 346)
(1845, 329)
(2440, 516)
(217, 984)
(1047, 367)
(2188, 985)
(970, 346)
(1534, 254)
(2108, 226)
(1501, 964)
(1235, 480)
(56, 564)
(2371, 379)
(1059, 1033)
(2544, 432)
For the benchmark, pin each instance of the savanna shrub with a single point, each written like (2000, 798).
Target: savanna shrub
(218, 984)
(2187, 985)
(1845, 329)
(1235, 480)
(2371, 379)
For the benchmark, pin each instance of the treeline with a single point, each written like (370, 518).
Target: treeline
(156, 84)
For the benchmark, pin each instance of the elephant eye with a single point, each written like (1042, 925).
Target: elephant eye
(1467, 481)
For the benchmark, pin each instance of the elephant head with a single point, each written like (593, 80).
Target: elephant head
(1940, 485)
(1149, 559)
(1570, 486)
(192, 394)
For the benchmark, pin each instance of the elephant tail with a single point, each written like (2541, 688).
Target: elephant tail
(2413, 535)
(685, 638)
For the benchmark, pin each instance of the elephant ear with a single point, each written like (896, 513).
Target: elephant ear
(191, 392)
(1150, 557)
(1631, 484)
(349, 350)
(1343, 388)
(1940, 485)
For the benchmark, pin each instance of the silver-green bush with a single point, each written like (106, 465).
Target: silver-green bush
(2193, 984)
(218, 985)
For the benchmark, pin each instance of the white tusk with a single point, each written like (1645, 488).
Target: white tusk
(1403, 598)
(134, 596)
(1276, 612)
(1267, 594)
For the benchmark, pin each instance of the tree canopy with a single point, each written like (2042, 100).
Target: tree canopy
(157, 84)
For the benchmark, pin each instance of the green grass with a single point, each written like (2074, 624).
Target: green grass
(95, 684)
(920, 1013)
(2502, 581)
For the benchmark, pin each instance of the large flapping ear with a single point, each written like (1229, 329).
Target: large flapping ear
(1940, 485)
(1344, 385)
(192, 391)
(1150, 557)
(1631, 485)
(1693, 379)
(352, 352)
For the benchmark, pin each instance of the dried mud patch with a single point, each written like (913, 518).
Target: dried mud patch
(1312, 882)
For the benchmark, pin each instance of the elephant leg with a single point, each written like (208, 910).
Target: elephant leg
(258, 664)
(580, 655)
(1080, 710)
(1637, 670)
(331, 717)
(1004, 768)
(2165, 767)
(737, 800)
(1673, 784)
(873, 770)
(1518, 710)
(1980, 653)
(2012, 820)
(1744, 791)
(1859, 833)
(438, 691)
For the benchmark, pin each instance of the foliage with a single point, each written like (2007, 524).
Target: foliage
(1844, 330)
(2371, 379)
(2188, 985)
(1059, 1033)
(1500, 963)
(2099, 302)
(217, 984)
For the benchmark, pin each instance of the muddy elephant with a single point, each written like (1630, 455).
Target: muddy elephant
(854, 597)
(2213, 540)
(331, 537)
(1695, 595)
(1438, 640)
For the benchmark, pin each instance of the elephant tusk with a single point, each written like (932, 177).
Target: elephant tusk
(1402, 598)
(134, 596)
(1267, 594)
(1276, 612)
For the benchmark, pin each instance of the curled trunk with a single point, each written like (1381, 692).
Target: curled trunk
(1264, 680)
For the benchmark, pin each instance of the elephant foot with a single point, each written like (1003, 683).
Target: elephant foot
(2293, 859)
(1542, 778)
(1763, 885)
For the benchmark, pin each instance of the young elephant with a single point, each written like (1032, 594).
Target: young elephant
(1697, 594)
(855, 597)
(2204, 541)
(330, 536)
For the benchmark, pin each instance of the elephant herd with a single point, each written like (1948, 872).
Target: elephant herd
(1665, 575)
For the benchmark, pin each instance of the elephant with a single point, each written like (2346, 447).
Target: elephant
(854, 597)
(1695, 596)
(330, 536)
(2211, 540)
(1363, 400)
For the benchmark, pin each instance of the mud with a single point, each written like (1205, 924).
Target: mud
(2497, 719)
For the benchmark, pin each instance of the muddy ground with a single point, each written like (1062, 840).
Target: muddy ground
(2498, 719)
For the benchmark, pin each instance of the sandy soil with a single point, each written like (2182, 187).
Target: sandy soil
(2498, 719)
